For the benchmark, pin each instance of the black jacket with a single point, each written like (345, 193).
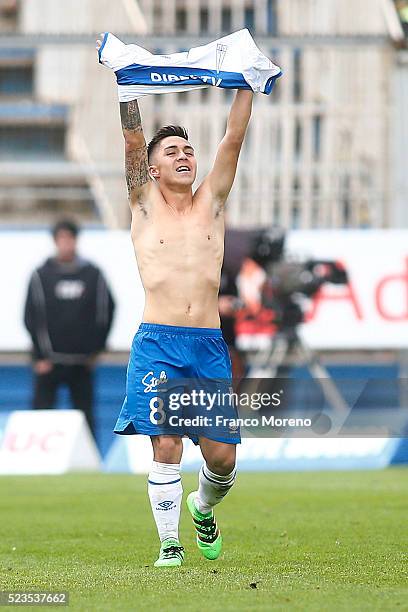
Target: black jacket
(68, 311)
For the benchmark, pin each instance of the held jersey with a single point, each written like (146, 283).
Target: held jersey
(231, 62)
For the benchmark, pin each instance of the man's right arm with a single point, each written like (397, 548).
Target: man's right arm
(31, 317)
(42, 365)
(136, 165)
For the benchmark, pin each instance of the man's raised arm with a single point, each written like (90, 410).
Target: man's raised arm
(136, 164)
(222, 174)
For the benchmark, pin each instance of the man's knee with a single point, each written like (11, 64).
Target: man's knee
(222, 463)
(167, 449)
(219, 456)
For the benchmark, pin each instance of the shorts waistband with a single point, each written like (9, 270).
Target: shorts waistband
(214, 332)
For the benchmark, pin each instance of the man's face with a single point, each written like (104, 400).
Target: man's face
(65, 242)
(173, 162)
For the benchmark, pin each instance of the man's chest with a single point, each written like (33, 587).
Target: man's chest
(195, 238)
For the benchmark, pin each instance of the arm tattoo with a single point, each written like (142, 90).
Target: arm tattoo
(137, 170)
(130, 116)
(136, 164)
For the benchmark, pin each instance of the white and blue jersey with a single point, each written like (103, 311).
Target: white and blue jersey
(231, 62)
(179, 383)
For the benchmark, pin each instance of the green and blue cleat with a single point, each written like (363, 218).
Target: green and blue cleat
(171, 554)
(209, 538)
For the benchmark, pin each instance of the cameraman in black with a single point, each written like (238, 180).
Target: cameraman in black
(68, 313)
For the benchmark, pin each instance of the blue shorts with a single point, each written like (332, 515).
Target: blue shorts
(179, 383)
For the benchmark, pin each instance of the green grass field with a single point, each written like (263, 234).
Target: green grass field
(292, 541)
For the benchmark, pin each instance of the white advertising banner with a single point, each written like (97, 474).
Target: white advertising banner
(371, 312)
(134, 454)
(47, 442)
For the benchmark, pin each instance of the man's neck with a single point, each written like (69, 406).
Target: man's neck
(179, 201)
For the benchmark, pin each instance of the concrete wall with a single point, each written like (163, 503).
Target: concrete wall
(398, 143)
(317, 152)
(80, 16)
(331, 17)
(70, 74)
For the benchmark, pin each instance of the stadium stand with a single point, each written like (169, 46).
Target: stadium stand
(37, 180)
(51, 161)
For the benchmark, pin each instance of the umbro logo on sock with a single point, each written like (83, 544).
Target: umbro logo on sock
(166, 505)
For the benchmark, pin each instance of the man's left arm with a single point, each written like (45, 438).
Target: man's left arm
(221, 177)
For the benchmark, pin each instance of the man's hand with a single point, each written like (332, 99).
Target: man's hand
(99, 41)
(43, 366)
(226, 305)
(222, 175)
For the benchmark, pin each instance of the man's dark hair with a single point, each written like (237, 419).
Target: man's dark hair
(65, 225)
(164, 132)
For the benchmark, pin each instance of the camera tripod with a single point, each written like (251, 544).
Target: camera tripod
(287, 348)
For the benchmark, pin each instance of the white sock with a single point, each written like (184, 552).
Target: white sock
(165, 493)
(212, 488)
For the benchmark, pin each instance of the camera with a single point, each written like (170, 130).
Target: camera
(286, 280)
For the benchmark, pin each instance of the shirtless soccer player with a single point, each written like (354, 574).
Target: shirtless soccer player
(178, 238)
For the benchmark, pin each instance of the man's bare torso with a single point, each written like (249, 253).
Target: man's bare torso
(178, 237)
(179, 255)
